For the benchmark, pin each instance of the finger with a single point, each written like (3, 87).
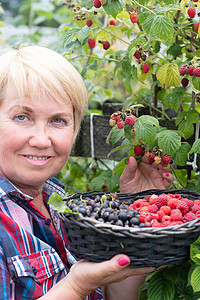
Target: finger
(129, 171)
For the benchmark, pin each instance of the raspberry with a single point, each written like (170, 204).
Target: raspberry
(197, 72)
(134, 17)
(160, 215)
(174, 223)
(166, 159)
(89, 23)
(195, 208)
(153, 198)
(190, 203)
(161, 200)
(130, 120)
(106, 45)
(157, 160)
(197, 202)
(91, 43)
(153, 208)
(196, 26)
(173, 202)
(151, 158)
(115, 116)
(145, 68)
(120, 124)
(176, 215)
(112, 122)
(166, 209)
(165, 218)
(144, 217)
(166, 223)
(191, 12)
(138, 150)
(191, 71)
(96, 3)
(183, 70)
(195, 0)
(183, 207)
(184, 82)
(112, 22)
(137, 54)
(155, 223)
(190, 216)
(139, 204)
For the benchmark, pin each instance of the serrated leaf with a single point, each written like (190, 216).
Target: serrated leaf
(176, 99)
(148, 24)
(160, 288)
(196, 82)
(195, 147)
(144, 130)
(120, 165)
(83, 34)
(167, 8)
(195, 279)
(126, 67)
(187, 127)
(162, 73)
(127, 85)
(114, 7)
(127, 146)
(69, 35)
(148, 118)
(169, 141)
(117, 134)
(181, 156)
(162, 27)
(173, 75)
(193, 116)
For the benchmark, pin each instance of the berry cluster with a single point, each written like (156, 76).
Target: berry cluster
(151, 211)
(158, 156)
(120, 119)
(140, 56)
(166, 210)
(188, 69)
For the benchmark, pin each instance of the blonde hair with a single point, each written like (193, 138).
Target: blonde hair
(36, 69)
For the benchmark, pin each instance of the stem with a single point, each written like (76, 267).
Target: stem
(102, 28)
(151, 11)
(176, 176)
(89, 90)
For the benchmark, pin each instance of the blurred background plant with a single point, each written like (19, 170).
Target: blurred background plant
(128, 52)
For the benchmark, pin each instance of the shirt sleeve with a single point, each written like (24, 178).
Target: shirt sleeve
(5, 279)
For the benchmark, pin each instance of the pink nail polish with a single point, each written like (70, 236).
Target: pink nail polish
(167, 174)
(123, 262)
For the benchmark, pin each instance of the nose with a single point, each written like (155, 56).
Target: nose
(40, 137)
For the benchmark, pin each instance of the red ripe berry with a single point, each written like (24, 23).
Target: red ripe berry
(183, 70)
(112, 22)
(151, 158)
(197, 72)
(145, 68)
(190, 216)
(130, 120)
(196, 26)
(153, 208)
(138, 150)
(191, 71)
(96, 3)
(183, 207)
(166, 159)
(161, 200)
(89, 23)
(106, 45)
(176, 215)
(184, 82)
(195, 0)
(166, 209)
(91, 43)
(191, 12)
(120, 124)
(137, 54)
(134, 17)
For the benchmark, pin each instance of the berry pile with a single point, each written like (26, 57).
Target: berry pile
(151, 211)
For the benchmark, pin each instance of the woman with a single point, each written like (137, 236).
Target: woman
(42, 102)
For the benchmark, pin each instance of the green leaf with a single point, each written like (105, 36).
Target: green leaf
(169, 141)
(75, 170)
(69, 35)
(83, 34)
(162, 27)
(195, 147)
(169, 75)
(187, 128)
(120, 166)
(127, 146)
(144, 130)
(150, 119)
(176, 99)
(195, 279)
(57, 203)
(114, 7)
(126, 67)
(127, 85)
(181, 156)
(148, 24)
(127, 132)
(167, 8)
(196, 82)
(193, 116)
(117, 134)
(160, 288)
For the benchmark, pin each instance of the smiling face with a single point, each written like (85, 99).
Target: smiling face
(36, 138)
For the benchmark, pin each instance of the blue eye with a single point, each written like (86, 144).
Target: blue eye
(59, 121)
(20, 117)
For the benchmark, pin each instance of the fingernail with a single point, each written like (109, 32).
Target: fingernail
(123, 262)
(167, 174)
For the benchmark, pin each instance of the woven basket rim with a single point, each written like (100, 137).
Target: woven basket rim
(156, 232)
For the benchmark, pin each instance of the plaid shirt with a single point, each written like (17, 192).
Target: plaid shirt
(33, 256)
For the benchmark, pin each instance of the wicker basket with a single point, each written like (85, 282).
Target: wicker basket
(147, 247)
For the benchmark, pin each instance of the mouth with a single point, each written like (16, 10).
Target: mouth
(37, 157)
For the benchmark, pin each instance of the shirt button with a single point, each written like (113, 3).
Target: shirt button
(48, 221)
(34, 270)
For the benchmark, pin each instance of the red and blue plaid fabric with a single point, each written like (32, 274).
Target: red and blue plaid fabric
(33, 256)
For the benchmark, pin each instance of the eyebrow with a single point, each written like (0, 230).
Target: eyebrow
(21, 107)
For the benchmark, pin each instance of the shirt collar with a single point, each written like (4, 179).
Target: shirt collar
(50, 186)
